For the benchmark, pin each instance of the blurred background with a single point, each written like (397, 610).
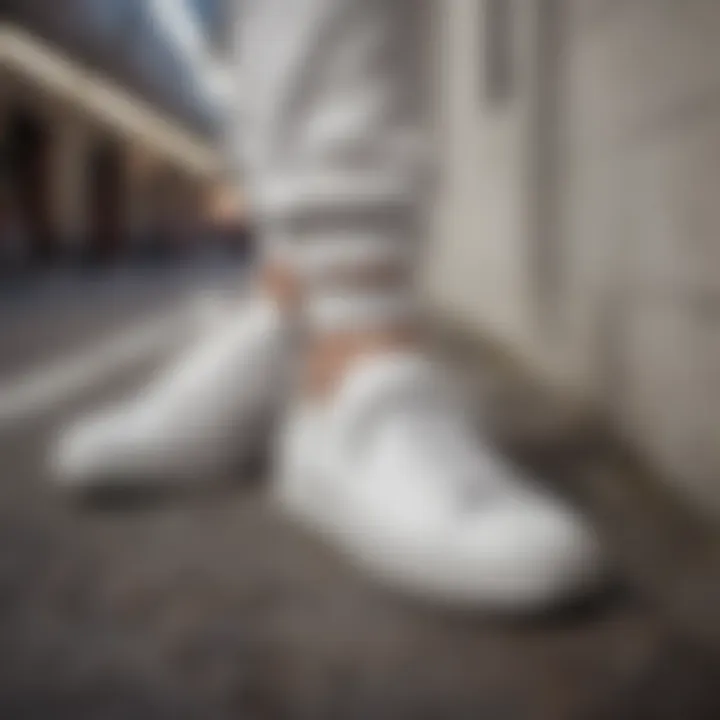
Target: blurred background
(575, 228)
(113, 115)
(577, 222)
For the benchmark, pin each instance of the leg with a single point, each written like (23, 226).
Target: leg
(336, 145)
(377, 454)
(200, 416)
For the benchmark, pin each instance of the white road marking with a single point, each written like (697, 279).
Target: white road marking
(42, 389)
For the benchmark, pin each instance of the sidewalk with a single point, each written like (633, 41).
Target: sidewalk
(213, 606)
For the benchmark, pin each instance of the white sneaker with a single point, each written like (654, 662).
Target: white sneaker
(392, 473)
(205, 414)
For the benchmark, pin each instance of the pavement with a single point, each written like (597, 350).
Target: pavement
(210, 605)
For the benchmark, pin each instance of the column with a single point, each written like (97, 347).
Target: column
(69, 167)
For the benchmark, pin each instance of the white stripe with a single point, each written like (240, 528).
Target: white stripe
(42, 389)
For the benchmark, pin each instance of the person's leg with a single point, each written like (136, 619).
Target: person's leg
(376, 453)
(335, 132)
(198, 417)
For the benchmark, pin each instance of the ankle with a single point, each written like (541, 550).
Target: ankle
(281, 286)
(330, 356)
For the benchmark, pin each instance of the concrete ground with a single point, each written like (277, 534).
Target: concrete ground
(209, 605)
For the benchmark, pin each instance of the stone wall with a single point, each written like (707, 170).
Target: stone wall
(579, 221)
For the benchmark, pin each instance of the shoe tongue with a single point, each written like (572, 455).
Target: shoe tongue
(379, 387)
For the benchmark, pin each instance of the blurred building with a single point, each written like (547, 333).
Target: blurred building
(109, 128)
(579, 218)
